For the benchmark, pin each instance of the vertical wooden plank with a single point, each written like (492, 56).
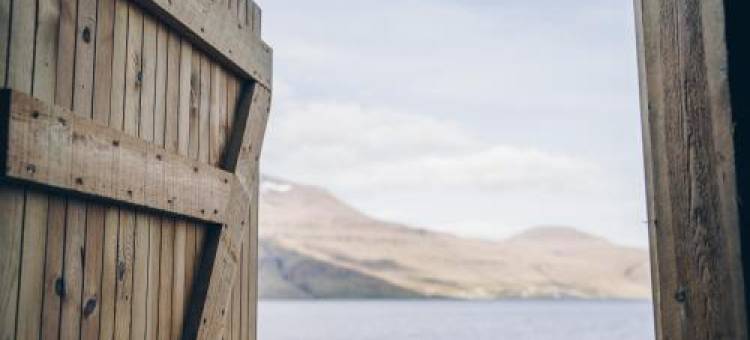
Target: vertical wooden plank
(109, 273)
(4, 35)
(34, 318)
(216, 112)
(241, 13)
(160, 104)
(236, 296)
(20, 63)
(693, 204)
(133, 76)
(45, 56)
(165, 285)
(124, 274)
(110, 70)
(73, 270)
(245, 288)
(183, 120)
(140, 277)
(172, 111)
(83, 89)
(203, 145)
(84, 58)
(173, 93)
(66, 54)
(223, 112)
(21, 53)
(185, 64)
(189, 259)
(148, 92)
(53, 272)
(92, 278)
(103, 61)
(132, 232)
(231, 103)
(119, 59)
(148, 99)
(178, 288)
(154, 278)
(195, 98)
(32, 266)
(205, 92)
(11, 229)
(253, 238)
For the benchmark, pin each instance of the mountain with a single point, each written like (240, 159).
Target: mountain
(312, 245)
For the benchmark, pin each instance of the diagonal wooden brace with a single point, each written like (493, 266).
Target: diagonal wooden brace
(212, 289)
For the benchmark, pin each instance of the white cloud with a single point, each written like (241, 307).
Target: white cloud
(360, 148)
(476, 117)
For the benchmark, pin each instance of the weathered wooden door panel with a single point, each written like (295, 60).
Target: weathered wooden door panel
(693, 204)
(113, 178)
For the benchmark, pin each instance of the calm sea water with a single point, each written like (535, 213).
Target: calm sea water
(455, 320)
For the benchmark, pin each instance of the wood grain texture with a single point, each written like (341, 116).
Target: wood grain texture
(140, 276)
(129, 156)
(21, 48)
(119, 59)
(165, 283)
(690, 170)
(103, 61)
(109, 273)
(4, 34)
(154, 278)
(53, 271)
(124, 274)
(84, 57)
(29, 321)
(214, 282)
(92, 277)
(213, 27)
(11, 230)
(73, 270)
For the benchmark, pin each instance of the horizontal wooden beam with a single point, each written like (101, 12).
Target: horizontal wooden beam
(52, 147)
(214, 28)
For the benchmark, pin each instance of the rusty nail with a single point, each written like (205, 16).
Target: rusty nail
(116, 142)
(79, 180)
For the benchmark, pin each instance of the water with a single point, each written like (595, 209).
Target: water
(455, 320)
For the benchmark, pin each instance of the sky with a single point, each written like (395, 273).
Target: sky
(477, 117)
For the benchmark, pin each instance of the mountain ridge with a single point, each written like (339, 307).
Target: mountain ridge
(317, 246)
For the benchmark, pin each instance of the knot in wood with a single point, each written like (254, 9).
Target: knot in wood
(86, 34)
(60, 287)
(681, 295)
(89, 307)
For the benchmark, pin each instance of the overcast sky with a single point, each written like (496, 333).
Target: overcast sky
(475, 117)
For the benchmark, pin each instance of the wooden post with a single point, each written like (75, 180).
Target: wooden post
(692, 178)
